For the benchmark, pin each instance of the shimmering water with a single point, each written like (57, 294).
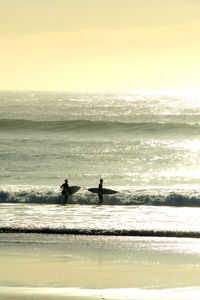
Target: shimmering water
(145, 145)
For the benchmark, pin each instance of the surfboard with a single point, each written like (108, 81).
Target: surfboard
(73, 189)
(104, 191)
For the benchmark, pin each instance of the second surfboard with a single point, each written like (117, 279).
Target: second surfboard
(104, 191)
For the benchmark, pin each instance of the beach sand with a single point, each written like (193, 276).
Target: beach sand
(98, 268)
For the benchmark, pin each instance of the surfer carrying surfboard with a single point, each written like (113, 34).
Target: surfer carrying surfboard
(100, 194)
(65, 190)
(101, 191)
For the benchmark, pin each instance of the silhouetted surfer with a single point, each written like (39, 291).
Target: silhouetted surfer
(100, 194)
(65, 190)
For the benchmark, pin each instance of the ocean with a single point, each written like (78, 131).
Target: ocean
(144, 144)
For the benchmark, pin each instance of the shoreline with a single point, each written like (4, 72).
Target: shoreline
(104, 232)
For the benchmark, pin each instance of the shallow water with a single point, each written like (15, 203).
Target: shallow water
(101, 220)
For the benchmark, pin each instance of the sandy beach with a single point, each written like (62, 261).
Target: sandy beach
(86, 267)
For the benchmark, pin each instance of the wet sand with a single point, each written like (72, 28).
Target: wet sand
(98, 268)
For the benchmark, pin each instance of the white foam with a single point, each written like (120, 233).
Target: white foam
(122, 293)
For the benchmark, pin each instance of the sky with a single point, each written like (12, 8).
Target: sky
(99, 44)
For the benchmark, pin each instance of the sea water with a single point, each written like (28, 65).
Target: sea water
(144, 144)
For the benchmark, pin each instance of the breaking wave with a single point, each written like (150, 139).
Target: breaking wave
(50, 195)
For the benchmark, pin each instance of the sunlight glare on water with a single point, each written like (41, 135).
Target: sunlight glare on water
(103, 217)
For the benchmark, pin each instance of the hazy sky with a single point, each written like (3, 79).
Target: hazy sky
(99, 44)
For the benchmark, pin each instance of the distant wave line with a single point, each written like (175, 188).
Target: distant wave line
(91, 125)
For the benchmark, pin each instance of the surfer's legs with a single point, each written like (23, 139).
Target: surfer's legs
(65, 200)
(100, 198)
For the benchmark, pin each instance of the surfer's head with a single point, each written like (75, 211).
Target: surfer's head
(66, 181)
(101, 180)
